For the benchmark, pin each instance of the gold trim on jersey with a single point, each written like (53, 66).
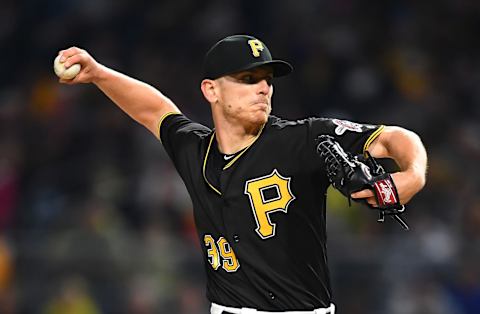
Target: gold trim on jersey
(205, 164)
(372, 137)
(230, 163)
(244, 150)
(163, 118)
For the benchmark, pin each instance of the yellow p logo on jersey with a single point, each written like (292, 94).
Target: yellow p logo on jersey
(256, 46)
(262, 207)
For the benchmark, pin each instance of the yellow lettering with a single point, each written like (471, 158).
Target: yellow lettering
(212, 251)
(256, 46)
(262, 208)
(230, 262)
(220, 251)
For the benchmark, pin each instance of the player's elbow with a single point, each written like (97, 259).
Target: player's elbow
(406, 147)
(395, 138)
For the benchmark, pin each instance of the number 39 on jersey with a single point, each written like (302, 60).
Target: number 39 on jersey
(220, 253)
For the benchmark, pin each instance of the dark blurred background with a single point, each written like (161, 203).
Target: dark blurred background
(93, 217)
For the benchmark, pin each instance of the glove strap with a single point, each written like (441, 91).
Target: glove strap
(388, 200)
(386, 192)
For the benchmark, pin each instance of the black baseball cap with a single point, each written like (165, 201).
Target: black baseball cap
(239, 53)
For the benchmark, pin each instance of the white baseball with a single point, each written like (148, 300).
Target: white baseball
(64, 73)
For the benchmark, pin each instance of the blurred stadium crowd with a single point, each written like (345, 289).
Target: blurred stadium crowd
(93, 217)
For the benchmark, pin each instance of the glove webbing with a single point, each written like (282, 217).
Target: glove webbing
(336, 161)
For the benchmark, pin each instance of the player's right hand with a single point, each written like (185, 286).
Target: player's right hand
(90, 70)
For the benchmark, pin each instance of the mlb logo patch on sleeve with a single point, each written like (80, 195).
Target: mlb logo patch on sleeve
(344, 125)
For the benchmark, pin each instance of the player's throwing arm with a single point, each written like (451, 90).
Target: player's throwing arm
(139, 100)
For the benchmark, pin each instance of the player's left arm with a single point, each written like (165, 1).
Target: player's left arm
(406, 148)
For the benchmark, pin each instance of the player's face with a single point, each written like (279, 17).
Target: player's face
(246, 96)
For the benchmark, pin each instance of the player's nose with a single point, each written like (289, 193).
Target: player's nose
(264, 86)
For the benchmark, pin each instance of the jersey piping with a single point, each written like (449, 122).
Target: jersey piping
(205, 165)
(159, 125)
(244, 150)
(228, 165)
(372, 137)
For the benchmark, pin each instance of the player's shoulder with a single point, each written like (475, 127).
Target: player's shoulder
(281, 123)
(340, 125)
(185, 124)
(300, 125)
(177, 127)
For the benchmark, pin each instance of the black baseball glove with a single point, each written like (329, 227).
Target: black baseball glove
(350, 174)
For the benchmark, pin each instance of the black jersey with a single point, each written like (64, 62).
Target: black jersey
(260, 214)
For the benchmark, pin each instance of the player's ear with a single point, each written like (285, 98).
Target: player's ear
(208, 90)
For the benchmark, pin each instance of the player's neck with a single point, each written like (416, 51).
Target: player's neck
(232, 138)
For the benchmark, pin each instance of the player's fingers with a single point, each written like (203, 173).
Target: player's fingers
(68, 52)
(77, 58)
(89, 68)
(64, 81)
(363, 194)
(71, 56)
(372, 201)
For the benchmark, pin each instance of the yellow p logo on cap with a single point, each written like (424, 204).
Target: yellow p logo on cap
(256, 46)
